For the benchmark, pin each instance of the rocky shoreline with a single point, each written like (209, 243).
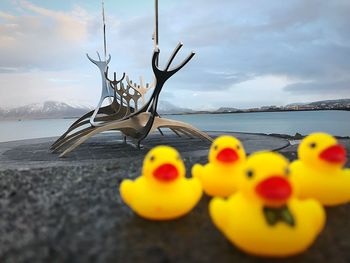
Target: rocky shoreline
(298, 136)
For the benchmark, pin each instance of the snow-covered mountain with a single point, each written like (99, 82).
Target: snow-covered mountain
(226, 110)
(165, 107)
(58, 110)
(47, 109)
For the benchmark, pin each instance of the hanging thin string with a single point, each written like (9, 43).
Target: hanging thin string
(104, 30)
(156, 36)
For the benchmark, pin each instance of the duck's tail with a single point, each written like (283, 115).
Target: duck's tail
(218, 212)
(126, 191)
(197, 171)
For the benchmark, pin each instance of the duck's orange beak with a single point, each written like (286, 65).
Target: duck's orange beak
(275, 190)
(166, 173)
(227, 155)
(335, 154)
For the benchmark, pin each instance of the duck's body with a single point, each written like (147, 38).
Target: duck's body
(319, 171)
(219, 176)
(161, 203)
(243, 223)
(217, 180)
(330, 187)
(264, 217)
(162, 192)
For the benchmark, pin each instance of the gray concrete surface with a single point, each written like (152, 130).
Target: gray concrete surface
(69, 210)
(35, 153)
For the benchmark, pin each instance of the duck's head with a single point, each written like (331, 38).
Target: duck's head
(321, 150)
(227, 150)
(265, 179)
(163, 164)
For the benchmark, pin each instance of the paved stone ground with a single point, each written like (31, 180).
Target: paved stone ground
(36, 154)
(69, 210)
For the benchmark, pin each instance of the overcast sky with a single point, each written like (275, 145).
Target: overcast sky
(248, 53)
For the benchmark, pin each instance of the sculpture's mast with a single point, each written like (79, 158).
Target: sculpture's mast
(104, 31)
(105, 49)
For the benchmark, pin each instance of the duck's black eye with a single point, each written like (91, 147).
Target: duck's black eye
(152, 158)
(238, 147)
(313, 145)
(287, 171)
(216, 147)
(250, 173)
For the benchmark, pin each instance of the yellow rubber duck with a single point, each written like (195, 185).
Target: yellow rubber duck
(162, 192)
(226, 159)
(264, 218)
(319, 170)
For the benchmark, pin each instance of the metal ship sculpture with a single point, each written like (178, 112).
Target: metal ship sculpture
(128, 111)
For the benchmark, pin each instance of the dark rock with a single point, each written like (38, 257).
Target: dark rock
(298, 136)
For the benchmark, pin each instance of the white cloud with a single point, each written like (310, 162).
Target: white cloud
(37, 86)
(247, 52)
(255, 92)
(71, 27)
(42, 38)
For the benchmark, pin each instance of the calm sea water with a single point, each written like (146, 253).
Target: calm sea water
(334, 122)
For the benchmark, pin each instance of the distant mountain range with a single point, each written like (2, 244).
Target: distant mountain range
(331, 102)
(322, 102)
(340, 104)
(226, 110)
(165, 107)
(47, 109)
(58, 110)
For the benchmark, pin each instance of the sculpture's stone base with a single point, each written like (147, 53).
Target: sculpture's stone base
(69, 210)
